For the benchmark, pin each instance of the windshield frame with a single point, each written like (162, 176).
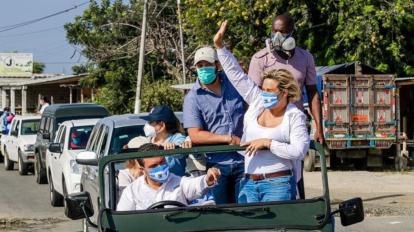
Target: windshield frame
(77, 127)
(29, 121)
(133, 154)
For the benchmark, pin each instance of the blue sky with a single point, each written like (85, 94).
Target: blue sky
(48, 46)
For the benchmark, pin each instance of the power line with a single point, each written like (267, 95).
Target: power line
(14, 26)
(31, 32)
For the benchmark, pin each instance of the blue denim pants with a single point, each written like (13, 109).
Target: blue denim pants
(271, 189)
(227, 188)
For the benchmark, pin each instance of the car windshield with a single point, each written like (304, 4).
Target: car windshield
(30, 127)
(122, 135)
(78, 137)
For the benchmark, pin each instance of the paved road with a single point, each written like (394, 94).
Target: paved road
(24, 207)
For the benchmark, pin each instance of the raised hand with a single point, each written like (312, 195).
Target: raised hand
(212, 176)
(218, 38)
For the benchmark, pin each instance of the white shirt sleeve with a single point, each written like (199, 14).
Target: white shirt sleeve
(238, 78)
(299, 139)
(193, 187)
(126, 202)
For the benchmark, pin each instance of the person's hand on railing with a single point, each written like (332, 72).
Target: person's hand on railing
(233, 140)
(169, 146)
(187, 144)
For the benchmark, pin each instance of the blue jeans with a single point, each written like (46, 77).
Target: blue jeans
(227, 188)
(177, 164)
(271, 189)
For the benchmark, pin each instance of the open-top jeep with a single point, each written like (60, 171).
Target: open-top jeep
(313, 214)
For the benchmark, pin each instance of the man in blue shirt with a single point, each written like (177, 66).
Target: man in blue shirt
(213, 114)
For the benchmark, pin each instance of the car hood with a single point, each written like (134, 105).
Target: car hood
(27, 139)
(74, 153)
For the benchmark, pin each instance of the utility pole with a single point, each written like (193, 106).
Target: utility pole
(141, 59)
(181, 38)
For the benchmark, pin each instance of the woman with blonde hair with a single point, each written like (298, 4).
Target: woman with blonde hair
(275, 133)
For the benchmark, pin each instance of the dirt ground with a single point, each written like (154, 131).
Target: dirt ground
(384, 193)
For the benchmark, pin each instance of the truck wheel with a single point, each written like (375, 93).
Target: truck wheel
(400, 163)
(8, 164)
(334, 160)
(309, 162)
(22, 165)
(55, 198)
(85, 225)
(40, 174)
(360, 164)
(65, 194)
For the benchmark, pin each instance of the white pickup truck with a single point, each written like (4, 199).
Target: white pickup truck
(18, 145)
(63, 172)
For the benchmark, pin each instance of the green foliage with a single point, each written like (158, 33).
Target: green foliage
(377, 33)
(38, 67)
(107, 33)
(160, 93)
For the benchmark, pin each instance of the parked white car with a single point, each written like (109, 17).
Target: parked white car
(63, 173)
(18, 145)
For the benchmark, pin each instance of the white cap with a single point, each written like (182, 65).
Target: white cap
(205, 53)
(138, 141)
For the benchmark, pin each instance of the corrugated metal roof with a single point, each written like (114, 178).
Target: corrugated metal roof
(38, 80)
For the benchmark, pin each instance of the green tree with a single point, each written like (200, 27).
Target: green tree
(38, 67)
(108, 34)
(374, 32)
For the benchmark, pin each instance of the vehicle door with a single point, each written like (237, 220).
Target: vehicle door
(100, 151)
(14, 134)
(44, 143)
(54, 158)
(7, 140)
(89, 172)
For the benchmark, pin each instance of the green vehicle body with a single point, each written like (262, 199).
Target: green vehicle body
(296, 215)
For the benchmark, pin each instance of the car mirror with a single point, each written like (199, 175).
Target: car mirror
(87, 158)
(46, 135)
(79, 205)
(351, 211)
(55, 147)
(14, 133)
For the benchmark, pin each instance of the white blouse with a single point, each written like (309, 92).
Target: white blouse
(290, 139)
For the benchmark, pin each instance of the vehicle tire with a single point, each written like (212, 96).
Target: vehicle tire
(85, 225)
(360, 164)
(55, 198)
(309, 162)
(400, 163)
(40, 174)
(22, 165)
(8, 164)
(65, 194)
(334, 160)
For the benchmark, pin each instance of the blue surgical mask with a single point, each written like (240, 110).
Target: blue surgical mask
(206, 75)
(160, 174)
(269, 99)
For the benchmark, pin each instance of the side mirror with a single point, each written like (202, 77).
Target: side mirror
(14, 133)
(46, 136)
(87, 158)
(56, 148)
(79, 205)
(351, 211)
